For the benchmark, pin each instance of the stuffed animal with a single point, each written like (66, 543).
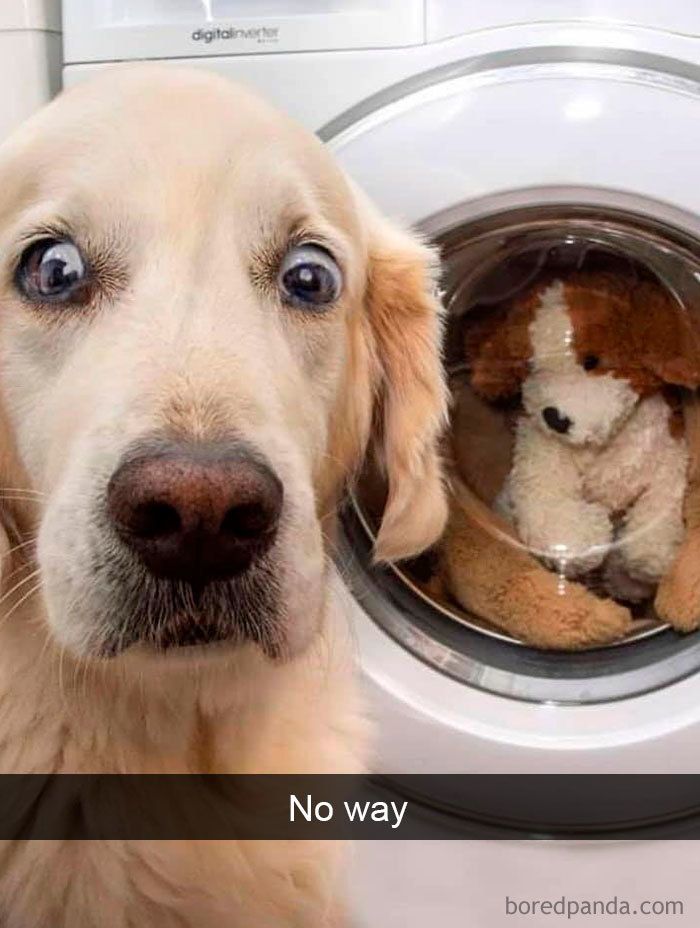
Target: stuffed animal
(487, 569)
(600, 457)
(678, 596)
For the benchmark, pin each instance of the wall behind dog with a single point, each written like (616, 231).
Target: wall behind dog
(30, 58)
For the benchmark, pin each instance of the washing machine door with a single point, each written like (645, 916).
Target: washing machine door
(505, 164)
(496, 160)
(501, 135)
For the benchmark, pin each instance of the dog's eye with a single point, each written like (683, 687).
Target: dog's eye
(590, 362)
(309, 277)
(51, 270)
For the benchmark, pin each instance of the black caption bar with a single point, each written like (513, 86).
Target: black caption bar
(414, 807)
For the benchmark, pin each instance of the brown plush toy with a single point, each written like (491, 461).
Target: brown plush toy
(596, 464)
(488, 571)
(678, 597)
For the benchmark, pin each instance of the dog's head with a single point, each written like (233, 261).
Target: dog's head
(202, 326)
(583, 350)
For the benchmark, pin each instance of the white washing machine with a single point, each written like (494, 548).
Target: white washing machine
(498, 128)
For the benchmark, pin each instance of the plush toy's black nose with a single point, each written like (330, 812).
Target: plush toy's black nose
(555, 420)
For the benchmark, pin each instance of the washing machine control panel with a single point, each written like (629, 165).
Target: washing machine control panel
(109, 30)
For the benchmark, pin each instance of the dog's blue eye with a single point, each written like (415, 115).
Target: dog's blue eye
(309, 277)
(51, 270)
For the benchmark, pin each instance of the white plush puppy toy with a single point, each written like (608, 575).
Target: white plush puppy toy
(600, 458)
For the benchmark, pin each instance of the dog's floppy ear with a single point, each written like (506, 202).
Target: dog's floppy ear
(668, 339)
(405, 325)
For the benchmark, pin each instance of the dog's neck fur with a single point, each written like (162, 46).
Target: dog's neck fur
(241, 713)
(240, 716)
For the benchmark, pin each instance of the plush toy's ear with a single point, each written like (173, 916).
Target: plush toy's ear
(668, 340)
(498, 349)
(404, 318)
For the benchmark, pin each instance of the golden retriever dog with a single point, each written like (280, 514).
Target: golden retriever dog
(202, 327)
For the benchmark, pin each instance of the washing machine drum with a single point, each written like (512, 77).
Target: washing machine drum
(562, 198)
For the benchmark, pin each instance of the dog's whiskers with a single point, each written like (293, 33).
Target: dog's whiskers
(23, 565)
(22, 599)
(18, 547)
(34, 573)
(15, 606)
(20, 497)
(25, 568)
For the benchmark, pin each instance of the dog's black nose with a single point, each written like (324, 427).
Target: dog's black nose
(555, 420)
(196, 513)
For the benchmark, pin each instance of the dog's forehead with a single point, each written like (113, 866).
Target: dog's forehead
(156, 135)
(193, 114)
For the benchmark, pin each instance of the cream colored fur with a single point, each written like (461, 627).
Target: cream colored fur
(619, 456)
(185, 185)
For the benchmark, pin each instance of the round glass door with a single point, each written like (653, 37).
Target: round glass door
(558, 254)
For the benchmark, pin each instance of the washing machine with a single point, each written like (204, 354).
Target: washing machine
(508, 133)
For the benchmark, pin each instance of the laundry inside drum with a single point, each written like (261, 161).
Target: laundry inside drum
(573, 360)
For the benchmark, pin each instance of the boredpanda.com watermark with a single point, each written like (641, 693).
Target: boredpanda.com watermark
(579, 908)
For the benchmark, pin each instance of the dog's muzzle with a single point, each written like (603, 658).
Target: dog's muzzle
(198, 523)
(196, 513)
